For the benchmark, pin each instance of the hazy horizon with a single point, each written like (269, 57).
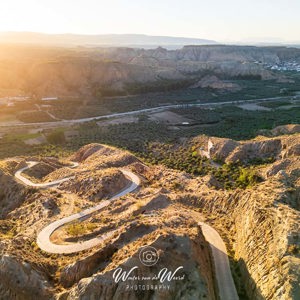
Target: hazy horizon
(234, 21)
(127, 39)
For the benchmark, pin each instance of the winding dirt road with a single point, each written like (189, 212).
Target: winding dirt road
(28, 182)
(226, 287)
(43, 238)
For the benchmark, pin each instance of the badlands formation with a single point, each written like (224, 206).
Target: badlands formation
(259, 224)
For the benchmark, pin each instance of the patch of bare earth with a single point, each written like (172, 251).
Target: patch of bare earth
(169, 117)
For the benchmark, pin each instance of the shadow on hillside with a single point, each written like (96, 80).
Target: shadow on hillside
(245, 284)
(102, 258)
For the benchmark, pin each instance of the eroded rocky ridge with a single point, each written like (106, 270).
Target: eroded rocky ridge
(260, 148)
(20, 281)
(262, 222)
(260, 226)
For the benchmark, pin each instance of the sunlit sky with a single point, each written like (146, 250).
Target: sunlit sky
(221, 20)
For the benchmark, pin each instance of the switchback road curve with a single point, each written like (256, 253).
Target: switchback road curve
(226, 287)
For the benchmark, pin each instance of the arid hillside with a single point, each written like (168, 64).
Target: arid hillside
(148, 217)
(258, 223)
(44, 72)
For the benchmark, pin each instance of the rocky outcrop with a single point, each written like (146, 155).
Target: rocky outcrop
(255, 150)
(103, 156)
(19, 281)
(259, 149)
(263, 244)
(286, 129)
(102, 184)
(173, 251)
(220, 148)
(280, 130)
(12, 194)
(84, 152)
(39, 171)
(108, 157)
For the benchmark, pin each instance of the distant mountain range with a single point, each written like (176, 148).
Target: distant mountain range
(71, 40)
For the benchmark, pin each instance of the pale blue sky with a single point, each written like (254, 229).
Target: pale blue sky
(222, 20)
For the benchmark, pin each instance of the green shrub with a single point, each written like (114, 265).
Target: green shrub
(77, 229)
(56, 137)
(247, 178)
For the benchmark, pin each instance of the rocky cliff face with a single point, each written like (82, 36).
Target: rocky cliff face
(20, 281)
(263, 222)
(280, 130)
(264, 239)
(261, 148)
(12, 194)
(264, 230)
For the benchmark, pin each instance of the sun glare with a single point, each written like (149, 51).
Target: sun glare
(30, 16)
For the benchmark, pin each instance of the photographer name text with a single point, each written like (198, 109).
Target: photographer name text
(163, 275)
